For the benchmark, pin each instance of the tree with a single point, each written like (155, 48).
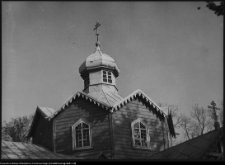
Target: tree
(218, 9)
(200, 122)
(16, 129)
(186, 126)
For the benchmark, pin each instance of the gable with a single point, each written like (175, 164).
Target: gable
(80, 95)
(143, 99)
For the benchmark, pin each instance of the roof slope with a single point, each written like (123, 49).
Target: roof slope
(195, 148)
(109, 98)
(47, 111)
(19, 150)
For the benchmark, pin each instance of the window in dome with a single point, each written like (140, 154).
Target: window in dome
(107, 77)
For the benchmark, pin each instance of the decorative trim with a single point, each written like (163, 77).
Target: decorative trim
(80, 95)
(133, 96)
(114, 107)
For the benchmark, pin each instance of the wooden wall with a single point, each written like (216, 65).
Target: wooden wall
(43, 132)
(96, 116)
(122, 120)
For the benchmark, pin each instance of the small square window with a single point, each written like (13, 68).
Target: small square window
(107, 76)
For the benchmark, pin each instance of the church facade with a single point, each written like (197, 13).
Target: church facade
(98, 123)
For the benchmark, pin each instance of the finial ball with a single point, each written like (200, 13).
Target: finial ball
(97, 44)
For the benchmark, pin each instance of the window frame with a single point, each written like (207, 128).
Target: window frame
(147, 135)
(74, 145)
(108, 78)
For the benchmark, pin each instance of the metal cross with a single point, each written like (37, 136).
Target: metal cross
(214, 108)
(96, 28)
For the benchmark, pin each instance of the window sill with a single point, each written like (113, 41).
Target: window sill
(82, 148)
(141, 148)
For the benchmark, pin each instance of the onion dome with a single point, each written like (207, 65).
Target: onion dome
(99, 60)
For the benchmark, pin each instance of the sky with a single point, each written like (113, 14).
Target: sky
(171, 51)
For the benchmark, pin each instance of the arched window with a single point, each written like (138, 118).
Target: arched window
(81, 135)
(140, 134)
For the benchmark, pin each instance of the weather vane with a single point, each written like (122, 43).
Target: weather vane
(96, 28)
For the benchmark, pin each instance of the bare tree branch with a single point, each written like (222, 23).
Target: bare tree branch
(16, 129)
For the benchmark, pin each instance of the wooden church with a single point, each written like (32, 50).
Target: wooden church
(98, 123)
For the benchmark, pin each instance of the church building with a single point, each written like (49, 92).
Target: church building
(97, 122)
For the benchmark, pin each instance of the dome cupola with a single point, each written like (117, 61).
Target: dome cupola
(99, 60)
(99, 70)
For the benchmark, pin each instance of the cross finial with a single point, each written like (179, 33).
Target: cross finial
(97, 34)
(214, 108)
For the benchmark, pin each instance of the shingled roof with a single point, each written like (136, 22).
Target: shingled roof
(19, 150)
(196, 148)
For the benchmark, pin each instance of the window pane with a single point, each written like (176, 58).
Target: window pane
(104, 76)
(104, 72)
(143, 134)
(79, 144)
(136, 134)
(142, 125)
(136, 125)
(86, 143)
(78, 127)
(137, 143)
(110, 81)
(144, 143)
(109, 73)
(86, 133)
(85, 125)
(105, 80)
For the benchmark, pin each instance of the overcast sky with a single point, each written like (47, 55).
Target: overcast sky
(172, 51)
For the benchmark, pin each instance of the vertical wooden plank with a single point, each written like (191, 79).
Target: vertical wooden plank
(54, 135)
(112, 135)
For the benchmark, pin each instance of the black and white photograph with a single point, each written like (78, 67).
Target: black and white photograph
(112, 80)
